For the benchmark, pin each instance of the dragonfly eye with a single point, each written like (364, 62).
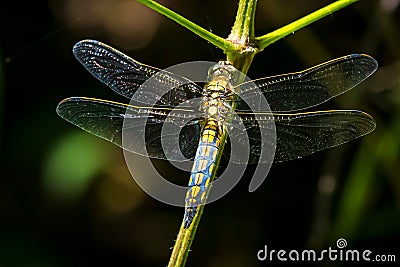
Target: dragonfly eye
(222, 69)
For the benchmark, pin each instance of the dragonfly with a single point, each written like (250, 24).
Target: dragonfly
(298, 133)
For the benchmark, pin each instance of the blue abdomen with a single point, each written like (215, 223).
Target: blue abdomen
(203, 167)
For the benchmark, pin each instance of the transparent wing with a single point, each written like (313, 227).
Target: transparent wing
(110, 120)
(302, 134)
(308, 88)
(125, 75)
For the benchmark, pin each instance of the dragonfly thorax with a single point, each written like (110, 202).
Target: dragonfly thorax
(217, 93)
(216, 109)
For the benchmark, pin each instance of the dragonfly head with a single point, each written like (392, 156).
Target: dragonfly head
(222, 70)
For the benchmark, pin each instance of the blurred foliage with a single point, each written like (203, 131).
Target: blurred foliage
(71, 166)
(103, 218)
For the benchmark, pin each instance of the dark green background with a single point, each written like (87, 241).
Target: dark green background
(67, 199)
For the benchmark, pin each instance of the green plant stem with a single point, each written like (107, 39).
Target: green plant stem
(203, 33)
(185, 237)
(243, 28)
(269, 38)
(242, 36)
